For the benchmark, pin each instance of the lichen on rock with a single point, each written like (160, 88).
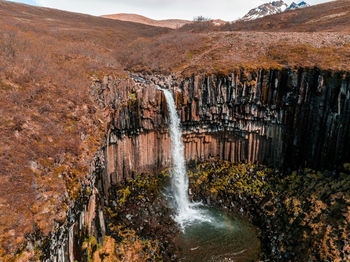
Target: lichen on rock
(302, 214)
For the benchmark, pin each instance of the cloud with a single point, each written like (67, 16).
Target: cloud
(162, 9)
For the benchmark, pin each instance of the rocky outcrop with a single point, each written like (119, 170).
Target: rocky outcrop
(84, 218)
(271, 8)
(280, 118)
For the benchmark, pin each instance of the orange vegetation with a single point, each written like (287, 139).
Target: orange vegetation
(225, 51)
(130, 249)
(50, 126)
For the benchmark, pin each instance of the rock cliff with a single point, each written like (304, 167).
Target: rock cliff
(285, 119)
(279, 118)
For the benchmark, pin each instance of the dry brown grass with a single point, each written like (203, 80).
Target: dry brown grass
(308, 56)
(170, 52)
(333, 16)
(219, 52)
(49, 125)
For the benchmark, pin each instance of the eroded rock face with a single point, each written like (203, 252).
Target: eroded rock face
(279, 118)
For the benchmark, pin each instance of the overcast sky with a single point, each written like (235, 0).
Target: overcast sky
(161, 9)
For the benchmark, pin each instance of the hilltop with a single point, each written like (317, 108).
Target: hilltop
(169, 23)
(331, 16)
(272, 8)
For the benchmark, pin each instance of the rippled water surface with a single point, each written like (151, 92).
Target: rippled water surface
(226, 238)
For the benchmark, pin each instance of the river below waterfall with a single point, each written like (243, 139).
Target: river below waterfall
(226, 238)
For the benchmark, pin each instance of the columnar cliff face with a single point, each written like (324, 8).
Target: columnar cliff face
(280, 118)
(84, 218)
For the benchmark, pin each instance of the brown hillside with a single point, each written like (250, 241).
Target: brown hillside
(49, 123)
(49, 126)
(225, 51)
(169, 23)
(331, 16)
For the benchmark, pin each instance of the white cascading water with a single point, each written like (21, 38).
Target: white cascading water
(186, 212)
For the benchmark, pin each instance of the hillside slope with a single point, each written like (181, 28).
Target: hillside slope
(50, 127)
(50, 123)
(169, 23)
(331, 16)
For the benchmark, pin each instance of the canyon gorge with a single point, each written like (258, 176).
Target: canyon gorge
(86, 156)
(284, 119)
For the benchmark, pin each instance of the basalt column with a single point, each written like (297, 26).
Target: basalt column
(279, 118)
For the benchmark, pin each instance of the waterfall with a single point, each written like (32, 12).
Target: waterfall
(186, 212)
(179, 177)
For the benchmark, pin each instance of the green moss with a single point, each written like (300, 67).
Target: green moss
(132, 96)
(37, 252)
(90, 245)
(189, 55)
(125, 192)
(225, 177)
(131, 197)
(308, 208)
(145, 185)
(130, 246)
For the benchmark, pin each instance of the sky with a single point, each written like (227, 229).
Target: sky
(160, 9)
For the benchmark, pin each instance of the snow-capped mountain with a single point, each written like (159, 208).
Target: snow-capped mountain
(296, 6)
(272, 8)
(266, 9)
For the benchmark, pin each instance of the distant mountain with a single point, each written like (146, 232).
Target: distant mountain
(169, 23)
(296, 6)
(265, 9)
(272, 8)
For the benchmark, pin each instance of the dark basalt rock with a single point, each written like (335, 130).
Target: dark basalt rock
(281, 118)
